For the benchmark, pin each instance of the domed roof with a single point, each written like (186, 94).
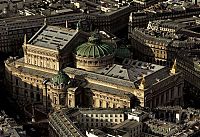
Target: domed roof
(122, 52)
(60, 78)
(94, 48)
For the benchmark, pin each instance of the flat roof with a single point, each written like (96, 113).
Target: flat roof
(127, 124)
(131, 70)
(53, 37)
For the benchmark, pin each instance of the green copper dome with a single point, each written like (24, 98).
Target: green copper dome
(122, 52)
(60, 78)
(94, 48)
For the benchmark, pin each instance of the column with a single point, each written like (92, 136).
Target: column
(73, 101)
(39, 61)
(45, 62)
(160, 100)
(164, 100)
(96, 104)
(104, 104)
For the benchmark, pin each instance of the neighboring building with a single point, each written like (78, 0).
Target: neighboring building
(88, 121)
(162, 11)
(94, 122)
(30, 19)
(159, 128)
(162, 39)
(61, 125)
(141, 4)
(9, 127)
(177, 121)
(128, 128)
(96, 118)
(83, 120)
(137, 115)
(188, 63)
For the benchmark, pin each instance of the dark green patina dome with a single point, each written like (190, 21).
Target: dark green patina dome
(122, 52)
(60, 78)
(94, 48)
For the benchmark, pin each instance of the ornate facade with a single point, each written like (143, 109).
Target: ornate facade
(170, 10)
(14, 28)
(162, 39)
(44, 76)
(94, 54)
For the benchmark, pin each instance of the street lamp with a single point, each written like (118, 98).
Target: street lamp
(45, 84)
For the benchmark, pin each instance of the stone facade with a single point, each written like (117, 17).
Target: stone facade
(161, 40)
(31, 79)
